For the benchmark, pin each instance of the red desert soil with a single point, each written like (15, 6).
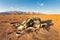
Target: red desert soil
(53, 33)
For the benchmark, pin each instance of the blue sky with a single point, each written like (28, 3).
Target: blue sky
(43, 6)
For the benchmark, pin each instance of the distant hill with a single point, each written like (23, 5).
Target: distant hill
(12, 12)
(19, 12)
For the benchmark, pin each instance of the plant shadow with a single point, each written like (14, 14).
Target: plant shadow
(49, 24)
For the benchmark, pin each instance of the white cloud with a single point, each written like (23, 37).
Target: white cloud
(9, 9)
(41, 4)
(50, 11)
(13, 8)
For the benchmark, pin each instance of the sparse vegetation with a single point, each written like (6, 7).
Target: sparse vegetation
(52, 34)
